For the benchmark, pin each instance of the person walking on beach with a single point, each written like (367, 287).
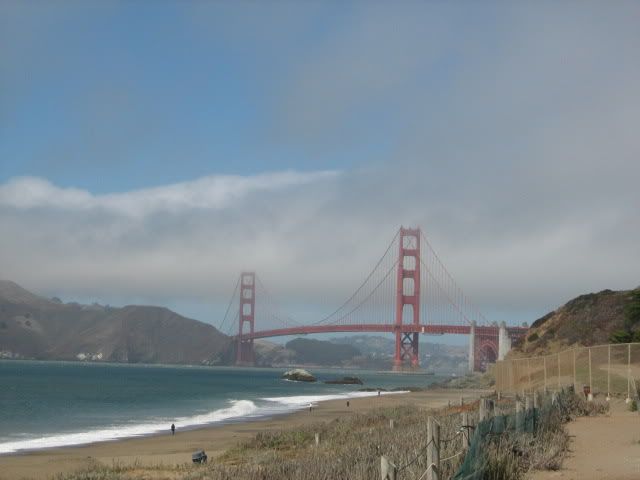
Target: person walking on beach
(173, 429)
(310, 406)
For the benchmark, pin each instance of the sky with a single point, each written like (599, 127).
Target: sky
(150, 151)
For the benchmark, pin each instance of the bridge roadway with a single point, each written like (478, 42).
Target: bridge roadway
(384, 328)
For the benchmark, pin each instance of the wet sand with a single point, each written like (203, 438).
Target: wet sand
(175, 450)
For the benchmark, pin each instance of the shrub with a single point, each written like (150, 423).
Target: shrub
(501, 464)
(632, 311)
(620, 336)
(631, 332)
(633, 406)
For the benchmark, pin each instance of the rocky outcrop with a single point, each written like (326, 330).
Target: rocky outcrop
(298, 375)
(345, 381)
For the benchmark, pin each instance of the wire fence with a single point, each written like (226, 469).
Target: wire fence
(506, 419)
(508, 422)
(611, 369)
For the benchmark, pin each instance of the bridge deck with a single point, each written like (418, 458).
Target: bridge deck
(385, 328)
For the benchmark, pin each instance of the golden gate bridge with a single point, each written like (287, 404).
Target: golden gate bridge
(408, 292)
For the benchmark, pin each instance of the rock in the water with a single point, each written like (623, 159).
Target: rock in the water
(345, 381)
(299, 375)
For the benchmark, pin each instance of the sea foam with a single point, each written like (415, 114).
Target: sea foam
(236, 410)
(304, 400)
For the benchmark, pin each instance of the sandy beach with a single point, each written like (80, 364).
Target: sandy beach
(173, 450)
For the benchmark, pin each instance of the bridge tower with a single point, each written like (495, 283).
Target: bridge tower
(408, 293)
(246, 316)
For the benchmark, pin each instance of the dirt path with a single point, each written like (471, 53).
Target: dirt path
(605, 447)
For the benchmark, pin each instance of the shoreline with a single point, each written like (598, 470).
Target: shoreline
(215, 439)
(286, 405)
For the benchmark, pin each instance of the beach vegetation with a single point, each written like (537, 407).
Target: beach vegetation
(351, 447)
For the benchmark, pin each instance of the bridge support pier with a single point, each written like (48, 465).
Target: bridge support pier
(406, 348)
(244, 347)
(485, 347)
(504, 341)
(472, 348)
(408, 293)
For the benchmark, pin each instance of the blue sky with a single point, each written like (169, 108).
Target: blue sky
(111, 96)
(151, 150)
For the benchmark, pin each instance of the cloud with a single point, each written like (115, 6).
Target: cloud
(312, 237)
(212, 192)
(509, 134)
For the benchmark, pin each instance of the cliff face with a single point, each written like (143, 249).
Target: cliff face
(586, 320)
(39, 328)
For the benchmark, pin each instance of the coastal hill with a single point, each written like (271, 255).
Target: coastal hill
(378, 351)
(357, 351)
(308, 352)
(35, 327)
(591, 319)
(47, 329)
(321, 352)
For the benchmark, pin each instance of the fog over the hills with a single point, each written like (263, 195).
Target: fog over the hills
(522, 166)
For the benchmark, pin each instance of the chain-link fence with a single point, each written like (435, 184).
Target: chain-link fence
(612, 370)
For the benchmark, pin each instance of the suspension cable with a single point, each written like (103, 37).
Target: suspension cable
(286, 320)
(363, 283)
(222, 324)
(370, 294)
(451, 279)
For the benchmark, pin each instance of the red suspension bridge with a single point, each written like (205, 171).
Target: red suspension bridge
(409, 292)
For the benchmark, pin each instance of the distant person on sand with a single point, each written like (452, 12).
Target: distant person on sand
(347, 403)
(310, 408)
(173, 429)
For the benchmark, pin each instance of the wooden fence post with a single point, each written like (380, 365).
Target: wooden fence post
(499, 420)
(486, 409)
(628, 400)
(388, 470)
(391, 424)
(433, 450)
(519, 417)
(609, 373)
(528, 413)
(575, 381)
(590, 396)
(466, 437)
(317, 435)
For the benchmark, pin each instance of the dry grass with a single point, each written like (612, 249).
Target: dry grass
(511, 455)
(350, 448)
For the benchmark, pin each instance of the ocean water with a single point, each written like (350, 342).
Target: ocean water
(53, 404)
